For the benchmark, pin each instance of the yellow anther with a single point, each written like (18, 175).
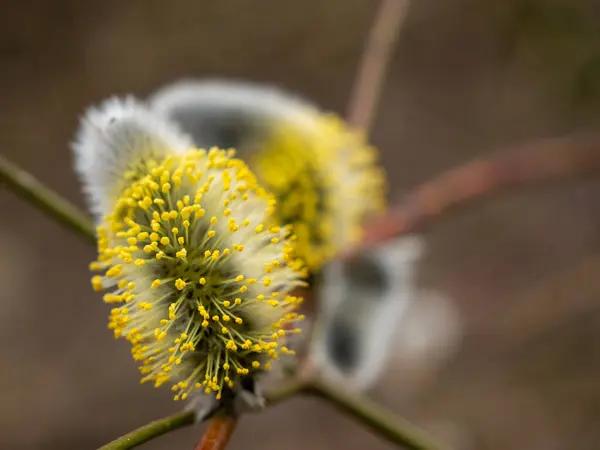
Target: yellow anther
(97, 283)
(180, 284)
(114, 271)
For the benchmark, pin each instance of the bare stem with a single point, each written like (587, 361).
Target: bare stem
(185, 418)
(151, 431)
(374, 417)
(377, 419)
(32, 191)
(374, 63)
(540, 162)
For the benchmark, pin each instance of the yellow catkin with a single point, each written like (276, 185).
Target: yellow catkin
(326, 182)
(190, 321)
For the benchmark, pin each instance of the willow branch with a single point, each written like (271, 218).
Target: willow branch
(540, 162)
(374, 63)
(151, 431)
(32, 191)
(374, 417)
(377, 419)
(186, 418)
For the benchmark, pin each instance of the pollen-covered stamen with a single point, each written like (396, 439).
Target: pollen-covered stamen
(201, 279)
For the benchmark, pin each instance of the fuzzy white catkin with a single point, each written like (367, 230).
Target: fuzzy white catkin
(361, 316)
(208, 109)
(112, 136)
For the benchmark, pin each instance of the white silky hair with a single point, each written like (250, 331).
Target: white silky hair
(231, 113)
(113, 135)
(362, 305)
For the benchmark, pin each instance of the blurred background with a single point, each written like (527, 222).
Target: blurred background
(468, 77)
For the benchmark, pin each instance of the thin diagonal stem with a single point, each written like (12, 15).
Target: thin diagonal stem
(536, 163)
(186, 418)
(374, 63)
(377, 419)
(32, 191)
(151, 431)
(381, 422)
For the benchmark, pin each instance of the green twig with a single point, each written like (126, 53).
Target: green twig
(381, 422)
(31, 190)
(151, 431)
(185, 418)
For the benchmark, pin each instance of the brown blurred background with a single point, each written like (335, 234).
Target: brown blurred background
(469, 77)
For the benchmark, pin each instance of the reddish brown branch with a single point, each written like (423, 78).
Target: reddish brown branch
(374, 63)
(217, 433)
(539, 162)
